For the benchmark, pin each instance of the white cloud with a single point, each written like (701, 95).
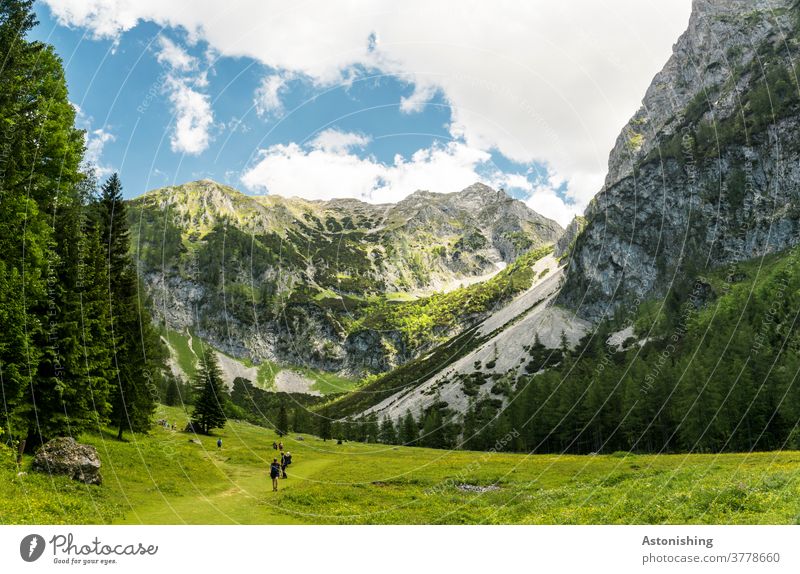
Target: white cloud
(545, 201)
(538, 81)
(175, 56)
(192, 108)
(328, 168)
(421, 95)
(95, 142)
(193, 117)
(267, 99)
(337, 141)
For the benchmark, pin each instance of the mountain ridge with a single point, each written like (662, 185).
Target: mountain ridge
(692, 179)
(269, 278)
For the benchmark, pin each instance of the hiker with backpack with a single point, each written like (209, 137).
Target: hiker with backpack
(274, 473)
(286, 460)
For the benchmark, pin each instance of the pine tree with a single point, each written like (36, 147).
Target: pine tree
(324, 426)
(209, 410)
(388, 435)
(39, 167)
(371, 428)
(432, 431)
(282, 423)
(172, 396)
(299, 420)
(409, 432)
(138, 354)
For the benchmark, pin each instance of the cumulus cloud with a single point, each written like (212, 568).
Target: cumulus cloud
(174, 56)
(95, 140)
(192, 108)
(267, 99)
(327, 169)
(421, 95)
(193, 117)
(337, 141)
(544, 200)
(551, 82)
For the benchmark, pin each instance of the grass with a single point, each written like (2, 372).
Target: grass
(162, 478)
(187, 350)
(184, 352)
(265, 376)
(327, 383)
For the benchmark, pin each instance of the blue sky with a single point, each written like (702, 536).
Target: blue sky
(360, 103)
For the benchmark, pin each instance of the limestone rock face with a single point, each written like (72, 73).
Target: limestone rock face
(269, 278)
(567, 240)
(64, 455)
(707, 171)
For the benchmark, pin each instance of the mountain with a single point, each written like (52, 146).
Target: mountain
(707, 171)
(706, 174)
(321, 284)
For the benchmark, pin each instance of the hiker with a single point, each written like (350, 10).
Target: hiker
(274, 445)
(283, 465)
(286, 461)
(280, 446)
(219, 443)
(274, 473)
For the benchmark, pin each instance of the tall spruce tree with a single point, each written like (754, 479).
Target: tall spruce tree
(49, 379)
(209, 409)
(172, 395)
(282, 424)
(388, 434)
(409, 431)
(324, 426)
(138, 354)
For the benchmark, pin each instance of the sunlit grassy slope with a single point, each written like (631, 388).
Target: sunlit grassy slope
(165, 479)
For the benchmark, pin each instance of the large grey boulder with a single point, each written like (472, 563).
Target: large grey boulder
(64, 455)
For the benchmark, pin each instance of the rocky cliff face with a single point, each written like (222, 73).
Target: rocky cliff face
(566, 242)
(708, 170)
(284, 279)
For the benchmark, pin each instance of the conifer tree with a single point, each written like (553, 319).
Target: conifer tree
(432, 431)
(138, 354)
(209, 409)
(172, 395)
(409, 432)
(39, 179)
(324, 426)
(282, 423)
(388, 434)
(372, 428)
(299, 419)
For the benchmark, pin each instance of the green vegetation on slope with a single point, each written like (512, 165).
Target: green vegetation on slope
(162, 478)
(186, 350)
(429, 320)
(717, 373)
(463, 307)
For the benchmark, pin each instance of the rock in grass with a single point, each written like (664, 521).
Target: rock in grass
(64, 455)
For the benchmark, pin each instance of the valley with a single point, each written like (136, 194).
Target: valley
(161, 478)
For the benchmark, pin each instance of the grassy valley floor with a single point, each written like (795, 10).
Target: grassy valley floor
(163, 478)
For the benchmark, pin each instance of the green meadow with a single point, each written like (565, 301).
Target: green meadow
(163, 478)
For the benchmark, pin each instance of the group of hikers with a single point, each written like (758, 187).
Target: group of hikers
(278, 469)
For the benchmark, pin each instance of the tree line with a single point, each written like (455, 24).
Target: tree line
(718, 374)
(78, 348)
